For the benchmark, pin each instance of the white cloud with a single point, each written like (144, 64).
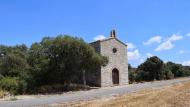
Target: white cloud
(134, 55)
(175, 37)
(149, 55)
(155, 39)
(168, 44)
(99, 37)
(131, 46)
(165, 46)
(181, 52)
(186, 63)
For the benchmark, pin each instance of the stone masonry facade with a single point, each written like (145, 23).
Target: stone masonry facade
(116, 51)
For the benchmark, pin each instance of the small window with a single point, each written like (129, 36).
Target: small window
(114, 50)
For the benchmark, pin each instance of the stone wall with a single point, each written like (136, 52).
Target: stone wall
(117, 60)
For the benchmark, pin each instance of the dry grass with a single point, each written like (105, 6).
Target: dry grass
(171, 96)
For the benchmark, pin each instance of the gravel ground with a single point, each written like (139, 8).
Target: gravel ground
(88, 95)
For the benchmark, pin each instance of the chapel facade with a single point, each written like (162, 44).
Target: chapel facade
(116, 71)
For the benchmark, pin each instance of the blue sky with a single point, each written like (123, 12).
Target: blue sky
(150, 27)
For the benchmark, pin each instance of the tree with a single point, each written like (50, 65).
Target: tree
(153, 66)
(14, 85)
(39, 65)
(13, 64)
(167, 72)
(13, 61)
(62, 60)
(132, 73)
(130, 67)
(176, 69)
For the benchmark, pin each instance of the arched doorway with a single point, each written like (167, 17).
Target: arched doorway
(115, 76)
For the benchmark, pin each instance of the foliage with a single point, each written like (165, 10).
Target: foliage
(61, 60)
(177, 69)
(13, 68)
(132, 73)
(131, 76)
(153, 66)
(58, 60)
(13, 61)
(11, 84)
(154, 69)
(167, 72)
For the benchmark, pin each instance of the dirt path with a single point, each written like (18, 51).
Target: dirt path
(177, 95)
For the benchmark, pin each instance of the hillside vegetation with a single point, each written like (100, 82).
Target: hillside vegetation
(155, 69)
(52, 65)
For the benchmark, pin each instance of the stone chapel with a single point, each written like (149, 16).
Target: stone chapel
(116, 71)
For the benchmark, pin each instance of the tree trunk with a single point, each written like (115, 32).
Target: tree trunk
(84, 78)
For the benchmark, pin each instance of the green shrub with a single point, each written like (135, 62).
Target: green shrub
(131, 76)
(22, 87)
(142, 76)
(9, 84)
(169, 75)
(1, 76)
(13, 85)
